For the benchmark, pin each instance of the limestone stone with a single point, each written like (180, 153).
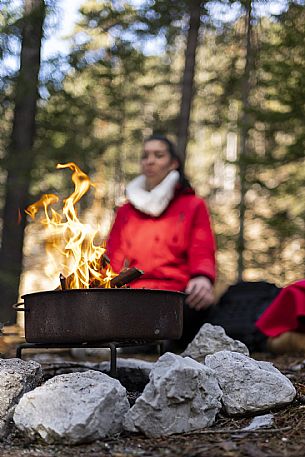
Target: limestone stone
(182, 395)
(249, 386)
(16, 378)
(73, 408)
(211, 339)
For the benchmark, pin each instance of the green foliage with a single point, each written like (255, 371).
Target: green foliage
(99, 103)
(273, 164)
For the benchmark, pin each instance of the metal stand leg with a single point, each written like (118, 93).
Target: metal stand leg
(162, 348)
(113, 361)
(112, 346)
(20, 347)
(18, 351)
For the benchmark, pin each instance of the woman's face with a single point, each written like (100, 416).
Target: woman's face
(156, 162)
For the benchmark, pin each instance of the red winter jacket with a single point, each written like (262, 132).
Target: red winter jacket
(170, 249)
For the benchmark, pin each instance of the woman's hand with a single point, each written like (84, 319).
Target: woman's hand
(200, 293)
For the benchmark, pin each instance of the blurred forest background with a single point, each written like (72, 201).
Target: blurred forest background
(224, 79)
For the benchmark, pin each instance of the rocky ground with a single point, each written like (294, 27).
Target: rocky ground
(285, 437)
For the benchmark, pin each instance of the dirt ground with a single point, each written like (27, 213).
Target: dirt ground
(285, 438)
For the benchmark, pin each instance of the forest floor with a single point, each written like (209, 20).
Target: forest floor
(284, 438)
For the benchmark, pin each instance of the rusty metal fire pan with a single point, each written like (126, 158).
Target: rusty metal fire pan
(96, 315)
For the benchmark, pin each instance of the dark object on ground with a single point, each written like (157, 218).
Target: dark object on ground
(236, 311)
(240, 307)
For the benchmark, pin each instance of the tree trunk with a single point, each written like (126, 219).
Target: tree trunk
(19, 160)
(188, 79)
(244, 131)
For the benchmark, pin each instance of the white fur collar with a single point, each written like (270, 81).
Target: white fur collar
(152, 202)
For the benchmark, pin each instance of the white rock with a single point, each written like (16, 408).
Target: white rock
(257, 422)
(211, 339)
(16, 378)
(73, 408)
(182, 395)
(249, 386)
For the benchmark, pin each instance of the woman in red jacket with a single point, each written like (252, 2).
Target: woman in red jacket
(165, 230)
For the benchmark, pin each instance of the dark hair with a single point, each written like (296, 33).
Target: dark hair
(173, 153)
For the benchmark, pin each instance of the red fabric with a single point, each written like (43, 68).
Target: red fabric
(285, 311)
(170, 249)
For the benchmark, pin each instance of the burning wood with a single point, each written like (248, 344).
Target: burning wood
(62, 280)
(125, 277)
(105, 261)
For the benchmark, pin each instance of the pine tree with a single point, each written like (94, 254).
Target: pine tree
(19, 160)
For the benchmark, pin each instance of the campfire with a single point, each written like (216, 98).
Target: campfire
(92, 304)
(79, 261)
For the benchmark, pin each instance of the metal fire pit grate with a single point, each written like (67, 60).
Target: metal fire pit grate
(112, 345)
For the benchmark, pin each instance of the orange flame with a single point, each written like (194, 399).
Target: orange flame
(81, 260)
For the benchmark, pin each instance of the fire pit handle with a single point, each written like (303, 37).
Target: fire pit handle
(16, 307)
